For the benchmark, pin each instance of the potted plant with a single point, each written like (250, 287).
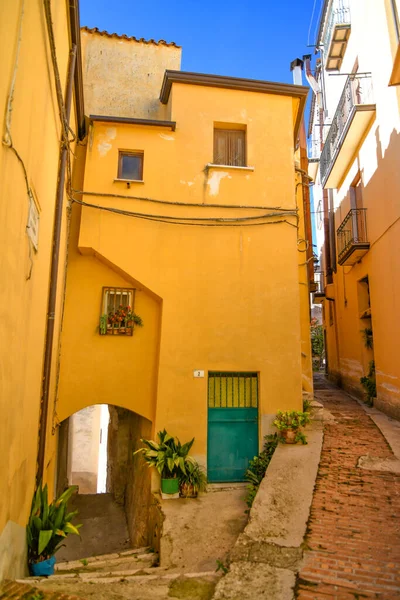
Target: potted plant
(289, 424)
(48, 526)
(123, 320)
(103, 325)
(192, 481)
(369, 384)
(169, 457)
(368, 337)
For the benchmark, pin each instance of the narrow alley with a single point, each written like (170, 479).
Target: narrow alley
(353, 532)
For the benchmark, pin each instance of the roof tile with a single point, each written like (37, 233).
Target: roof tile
(127, 37)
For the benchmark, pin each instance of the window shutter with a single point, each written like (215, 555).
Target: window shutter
(220, 147)
(230, 147)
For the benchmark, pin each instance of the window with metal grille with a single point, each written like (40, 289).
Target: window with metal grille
(230, 147)
(130, 166)
(116, 311)
(232, 390)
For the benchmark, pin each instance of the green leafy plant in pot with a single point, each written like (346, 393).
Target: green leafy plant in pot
(193, 481)
(289, 424)
(48, 526)
(169, 457)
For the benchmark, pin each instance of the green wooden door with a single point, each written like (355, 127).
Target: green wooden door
(232, 424)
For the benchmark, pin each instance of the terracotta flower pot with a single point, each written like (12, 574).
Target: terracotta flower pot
(186, 490)
(289, 435)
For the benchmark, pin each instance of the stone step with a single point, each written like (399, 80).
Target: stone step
(157, 585)
(128, 559)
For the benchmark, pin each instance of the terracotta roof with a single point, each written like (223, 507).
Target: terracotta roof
(127, 37)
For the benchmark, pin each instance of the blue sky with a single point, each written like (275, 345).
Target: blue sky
(256, 39)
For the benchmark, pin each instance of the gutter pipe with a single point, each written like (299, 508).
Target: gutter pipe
(55, 258)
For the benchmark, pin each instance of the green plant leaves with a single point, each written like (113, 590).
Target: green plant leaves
(48, 523)
(44, 538)
(169, 456)
(69, 528)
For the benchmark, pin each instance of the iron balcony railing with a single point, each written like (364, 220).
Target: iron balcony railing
(314, 148)
(352, 232)
(339, 14)
(357, 91)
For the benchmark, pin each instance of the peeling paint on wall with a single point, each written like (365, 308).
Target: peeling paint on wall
(214, 181)
(352, 368)
(391, 388)
(382, 374)
(105, 145)
(189, 183)
(170, 138)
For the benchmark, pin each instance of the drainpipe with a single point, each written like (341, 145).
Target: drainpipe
(316, 88)
(395, 19)
(51, 305)
(296, 67)
(325, 197)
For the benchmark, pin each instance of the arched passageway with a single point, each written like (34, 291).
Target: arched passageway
(96, 452)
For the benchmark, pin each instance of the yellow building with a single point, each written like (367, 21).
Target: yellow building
(29, 197)
(187, 205)
(355, 119)
(189, 211)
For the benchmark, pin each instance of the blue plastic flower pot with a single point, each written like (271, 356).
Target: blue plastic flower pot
(44, 568)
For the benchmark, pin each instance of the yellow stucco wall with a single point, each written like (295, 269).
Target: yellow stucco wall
(123, 76)
(35, 131)
(376, 161)
(219, 298)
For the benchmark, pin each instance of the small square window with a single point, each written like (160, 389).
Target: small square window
(117, 315)
(230, 147)
(130, 166)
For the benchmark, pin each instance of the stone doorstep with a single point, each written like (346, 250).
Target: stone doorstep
(167, 577)
(104, 560)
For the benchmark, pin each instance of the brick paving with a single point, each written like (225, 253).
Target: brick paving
(353, 533)
(23, 591)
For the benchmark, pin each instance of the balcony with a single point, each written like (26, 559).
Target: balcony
(351, 121)
(352, 239)
(319, 290)
(336, 34)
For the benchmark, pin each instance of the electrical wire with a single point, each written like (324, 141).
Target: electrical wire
(215, 222)
(173, 203)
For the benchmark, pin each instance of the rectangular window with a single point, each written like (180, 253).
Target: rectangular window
(116, 311)
(130, 166)
(230, 147)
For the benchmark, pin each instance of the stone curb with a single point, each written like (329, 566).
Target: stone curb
(268, 554)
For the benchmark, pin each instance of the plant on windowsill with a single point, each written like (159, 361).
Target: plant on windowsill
(48, 526)
(289, 424)
(169, 457)
(121, 321)
(369, 384)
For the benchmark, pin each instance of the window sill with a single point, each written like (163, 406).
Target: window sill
(118, 180)
(126, 331)
(214, 166)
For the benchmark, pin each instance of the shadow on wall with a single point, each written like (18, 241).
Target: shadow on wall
(96, 447)
(380, 175)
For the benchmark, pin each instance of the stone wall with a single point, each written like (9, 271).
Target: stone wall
(128, 477)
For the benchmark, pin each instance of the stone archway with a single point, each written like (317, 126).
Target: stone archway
(127, 508)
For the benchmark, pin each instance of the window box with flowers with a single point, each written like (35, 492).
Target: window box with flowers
(118, 317)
